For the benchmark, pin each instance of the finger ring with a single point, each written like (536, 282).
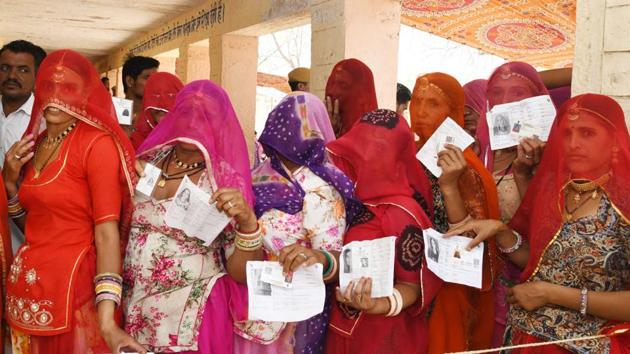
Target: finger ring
(230, 205)
(17, 157)
(529, 156)
(303, 255)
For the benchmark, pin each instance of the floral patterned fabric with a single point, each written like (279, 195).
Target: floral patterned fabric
(320, 225)
(592, 252)
(168, 277)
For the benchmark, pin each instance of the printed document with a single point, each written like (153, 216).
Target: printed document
(373, 259)
(191, 212)
(448, 133)
(509, 123)
(303, 299)
(448, 258)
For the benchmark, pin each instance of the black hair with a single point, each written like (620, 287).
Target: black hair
(403, 94)
(134, 66)
(22, 46)
(294, 85)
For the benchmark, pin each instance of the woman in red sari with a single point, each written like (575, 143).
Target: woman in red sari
(159, 97)
(462, 317)
(378, 155)
(75, 193)
(571, 233)
(6, 253)
(350, 94)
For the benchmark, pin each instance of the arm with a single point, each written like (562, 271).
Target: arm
(12, 168)
(453, 165)
(231, 202)
(358, 295)
(556, 77)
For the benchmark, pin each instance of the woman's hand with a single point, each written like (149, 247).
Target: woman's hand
(358, 295)
(529, 295)
(17, 156)
(118, 340)
(232, 202)
(528, 155)
(484, 229)
(294, 256)
(333, 113)
(453, 164)
(140, 168)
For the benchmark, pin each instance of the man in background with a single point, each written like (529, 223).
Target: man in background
(136, 72)
(19, 61)
(299, 79)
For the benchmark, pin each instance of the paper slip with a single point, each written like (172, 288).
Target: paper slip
(448, 133)
(374, 259)
(272, 274)
(146, 184)
(300, 302)
(448, 258)
(509, 123)
(124, 110)
(191, 212)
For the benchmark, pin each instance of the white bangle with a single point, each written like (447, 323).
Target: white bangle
(396, 305)
(392, 305)
(516, 246)
(583, 301)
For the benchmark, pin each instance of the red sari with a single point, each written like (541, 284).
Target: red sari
(540, 220)
(50, 289)
(352, 83)
(378, 154)
(462, 317)
(159, 93)
(6, 252)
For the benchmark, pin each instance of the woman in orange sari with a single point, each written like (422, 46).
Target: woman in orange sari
(464, 191)
(74, 193)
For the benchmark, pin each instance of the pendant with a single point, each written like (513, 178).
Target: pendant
(569, 217)
(594, 195)
(36, 176)
(577, 197)
(161, 183)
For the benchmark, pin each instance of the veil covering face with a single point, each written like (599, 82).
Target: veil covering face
(203, 116)
(540, 215)
(68, 81)
(352, 83)
(297, 129)
(159, 94)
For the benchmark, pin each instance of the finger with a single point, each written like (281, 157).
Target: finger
(336, 107)
(23, 149)
(139, 169)
(448, 158)
(469, 226)
(289, 259)
(367, 290)
(299, 261)
(339, 295)
(348, 293)
(358, 289)
(285, 251)
(27, 158)
(135, 346)
(329, 106)
(475, 241)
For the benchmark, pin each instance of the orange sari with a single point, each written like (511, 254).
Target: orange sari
(463, 317)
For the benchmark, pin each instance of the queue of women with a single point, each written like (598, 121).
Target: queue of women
(102, 272)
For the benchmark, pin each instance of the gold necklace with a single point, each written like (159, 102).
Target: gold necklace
(56, 142)
(584, 186)
(184, 165)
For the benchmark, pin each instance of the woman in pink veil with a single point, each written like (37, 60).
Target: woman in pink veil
(179, 296)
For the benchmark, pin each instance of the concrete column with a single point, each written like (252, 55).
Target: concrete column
(198, 61)
(181, 64)
(167, 63)
(234, 66)
(602, 50)
(364, 29)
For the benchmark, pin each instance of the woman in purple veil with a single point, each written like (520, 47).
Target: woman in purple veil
(178, 294)
(304, 204)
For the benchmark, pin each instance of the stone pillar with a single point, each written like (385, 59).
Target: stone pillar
(234, 66)
(167, 63)
(602, 50)
(364, 29)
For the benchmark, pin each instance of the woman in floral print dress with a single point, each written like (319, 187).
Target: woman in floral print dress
(178, 296)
